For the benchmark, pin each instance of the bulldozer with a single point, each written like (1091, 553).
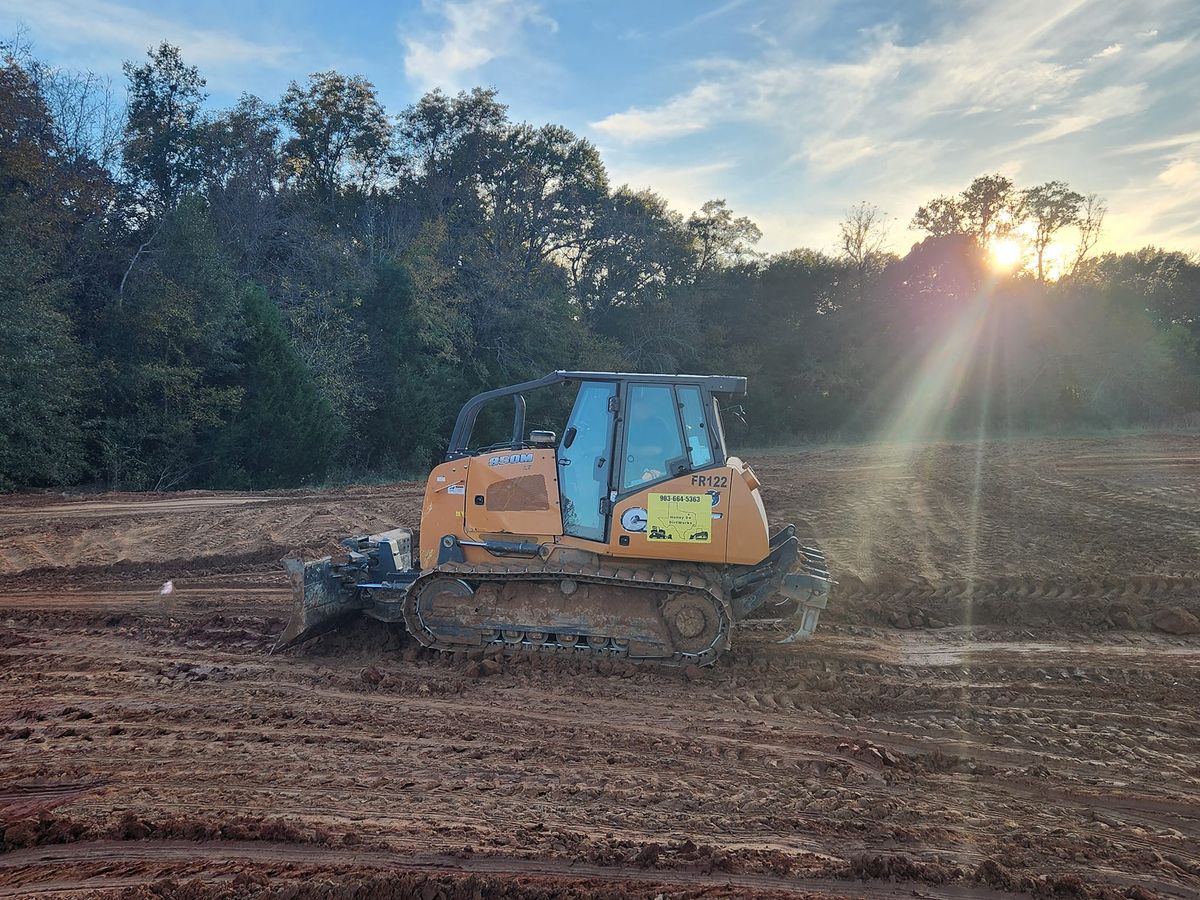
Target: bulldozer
(631, 534)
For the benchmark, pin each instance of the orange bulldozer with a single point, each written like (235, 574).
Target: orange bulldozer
(627, 532)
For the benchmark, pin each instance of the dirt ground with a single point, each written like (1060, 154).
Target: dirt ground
(1003, 699)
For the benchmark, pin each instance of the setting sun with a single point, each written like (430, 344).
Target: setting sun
(1005, 253)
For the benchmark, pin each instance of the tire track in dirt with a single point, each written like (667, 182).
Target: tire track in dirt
(126, 853)
(1046, 747)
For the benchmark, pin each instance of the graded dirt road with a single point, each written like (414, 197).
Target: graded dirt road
(1003, 699)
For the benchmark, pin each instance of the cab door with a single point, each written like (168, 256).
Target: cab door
(585, 461)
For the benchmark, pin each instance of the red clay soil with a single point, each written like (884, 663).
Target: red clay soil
(1002, 700)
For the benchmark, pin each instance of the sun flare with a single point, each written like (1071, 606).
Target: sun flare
(1005, 253)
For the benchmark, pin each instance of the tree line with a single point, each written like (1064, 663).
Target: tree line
(307, 290)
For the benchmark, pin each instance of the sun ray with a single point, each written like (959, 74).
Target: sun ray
(921, 414)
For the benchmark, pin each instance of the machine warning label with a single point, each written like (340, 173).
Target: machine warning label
(679, 518)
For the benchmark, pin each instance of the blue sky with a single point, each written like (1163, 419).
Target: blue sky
(791, 111)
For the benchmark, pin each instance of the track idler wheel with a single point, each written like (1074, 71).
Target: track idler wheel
(439, 602)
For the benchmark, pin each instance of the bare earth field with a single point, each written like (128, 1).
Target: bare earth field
(1003, 699)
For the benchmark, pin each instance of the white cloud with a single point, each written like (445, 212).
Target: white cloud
(686, 188)
(1166, 143)
(785, 230)
(1179, 187)
(1163, 53)
(708, 15)
(1161, 212)
(1085, 112)
(685, 114)
(476, 32)
(826, 157)
(83, 25)
(1159, 205)
(1182, 173)
(897, 120)
(987, 66)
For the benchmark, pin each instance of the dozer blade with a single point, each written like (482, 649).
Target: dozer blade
(321, 599)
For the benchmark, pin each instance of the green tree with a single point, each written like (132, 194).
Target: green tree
(283, 432)
(162, 150)
(241, 150)
(412, 377)
(1051, 207)
(785, 326)
(720, 239)
(340, 133)
(442, 139)
(168, 357)
(941, 217)
(991, 207)
(988, 208)
(41, 376)
(241, 147)
(541, 187)
(637, 250)
(284, 292)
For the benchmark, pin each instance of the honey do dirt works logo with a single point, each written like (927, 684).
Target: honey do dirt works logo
(679, 518)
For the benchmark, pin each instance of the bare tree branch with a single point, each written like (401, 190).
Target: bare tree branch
(1091, 224)
(132, 262)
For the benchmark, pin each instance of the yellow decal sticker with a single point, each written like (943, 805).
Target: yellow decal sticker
(679, 518)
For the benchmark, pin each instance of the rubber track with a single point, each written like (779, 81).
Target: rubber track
(678, 576)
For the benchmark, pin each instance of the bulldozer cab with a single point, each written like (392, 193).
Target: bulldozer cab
(624, 433)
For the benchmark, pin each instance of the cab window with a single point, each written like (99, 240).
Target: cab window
(695, 429)
(653, 443)
(718, 430)
(585, 460)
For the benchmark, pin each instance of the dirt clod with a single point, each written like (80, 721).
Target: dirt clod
(1176, 620)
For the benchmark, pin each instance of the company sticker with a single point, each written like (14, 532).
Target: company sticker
(679, 518)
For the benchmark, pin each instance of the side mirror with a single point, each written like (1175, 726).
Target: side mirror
(569, 437)
(542, 438)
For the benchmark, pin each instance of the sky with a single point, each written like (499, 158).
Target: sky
(790, 111)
